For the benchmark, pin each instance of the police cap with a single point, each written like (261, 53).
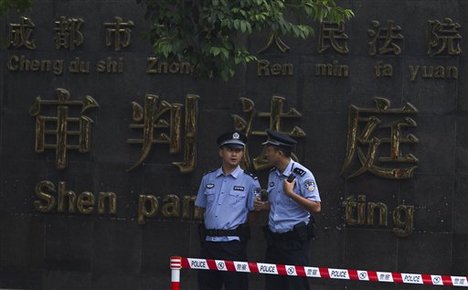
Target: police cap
(279, 139)
(232, 139)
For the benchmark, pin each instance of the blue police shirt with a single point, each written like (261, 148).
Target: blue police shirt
(227, 199)
(284, 211)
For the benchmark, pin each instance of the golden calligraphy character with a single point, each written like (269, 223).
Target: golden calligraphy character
(332, 35)
(274, 39)
(20, 34)
(63, 124)
(67, 33)
(443, 37)
(363, 124)
(118, 33)
(152, 118)
(384, 40)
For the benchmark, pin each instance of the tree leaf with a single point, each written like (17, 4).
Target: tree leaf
(207, 33)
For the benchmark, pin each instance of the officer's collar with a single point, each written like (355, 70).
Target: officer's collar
(235, 173)
(288, 169)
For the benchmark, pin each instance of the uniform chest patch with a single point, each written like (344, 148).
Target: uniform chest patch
(309, 185)
(210, 185)
(239, 188)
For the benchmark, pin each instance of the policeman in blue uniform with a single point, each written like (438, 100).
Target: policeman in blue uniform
(227, 195)
(292, 197)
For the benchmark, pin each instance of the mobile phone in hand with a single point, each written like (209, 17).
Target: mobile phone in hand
(290, 178)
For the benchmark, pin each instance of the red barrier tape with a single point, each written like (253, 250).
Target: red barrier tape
(318, 272)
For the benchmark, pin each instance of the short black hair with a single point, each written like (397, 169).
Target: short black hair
(287, 151)
(232, 146)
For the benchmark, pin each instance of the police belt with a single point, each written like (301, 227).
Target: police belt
(242, 231)
(222, 233)
(287, 236)
(300, 231)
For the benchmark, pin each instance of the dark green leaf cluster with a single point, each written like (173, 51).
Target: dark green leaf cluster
(19, 5)
(211, 34)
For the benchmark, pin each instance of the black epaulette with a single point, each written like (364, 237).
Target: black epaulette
(299, 171)
(209, 171)
(251, 174)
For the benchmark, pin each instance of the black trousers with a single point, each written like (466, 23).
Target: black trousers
(290, 252)
(215, 280)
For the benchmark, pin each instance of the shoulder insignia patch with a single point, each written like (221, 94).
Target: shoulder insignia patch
(299, 171)
(309, 185)
(251, 174)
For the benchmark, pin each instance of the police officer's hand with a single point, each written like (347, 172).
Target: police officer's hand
(261, 205)
(288, 187)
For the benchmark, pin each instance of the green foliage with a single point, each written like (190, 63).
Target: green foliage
(19, 5)
(211, 34)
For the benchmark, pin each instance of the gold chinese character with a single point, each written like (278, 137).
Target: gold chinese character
(275, 116)
(151, 118)
(443, 37)
(67, 33)
(363, 125)
(118, 33)
(20, 34)
(332, 35)
(383, 40)
(276, 40)
(63, 126)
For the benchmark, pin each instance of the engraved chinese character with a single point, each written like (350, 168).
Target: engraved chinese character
(161, 122)
(67, 33)
(277, 41)
(276, 115)
(384, 40)
(332, 35)
(372, 130)
(20, 34)
(63, 128)
(443, 37)
(118, 33)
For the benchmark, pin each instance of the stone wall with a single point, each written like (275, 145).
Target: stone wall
(394, 194)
